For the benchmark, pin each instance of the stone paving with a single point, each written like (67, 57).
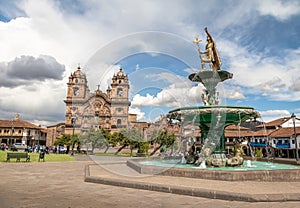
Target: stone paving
(61, 184)
(119, 174)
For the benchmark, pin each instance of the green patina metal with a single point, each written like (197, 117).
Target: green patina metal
(208, 114)
(206, 117)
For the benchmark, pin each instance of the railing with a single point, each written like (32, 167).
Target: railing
(257, 144)
(287, 145)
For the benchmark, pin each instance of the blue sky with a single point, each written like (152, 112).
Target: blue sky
(42, 42)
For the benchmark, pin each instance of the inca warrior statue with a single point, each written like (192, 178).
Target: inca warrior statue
(211, 55)
(209, 78)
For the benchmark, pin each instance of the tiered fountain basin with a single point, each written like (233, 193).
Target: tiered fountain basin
(207, 118)
(212, 120)
(256, 171)
(207, 114)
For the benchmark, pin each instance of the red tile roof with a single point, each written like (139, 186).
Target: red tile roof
(234, 127)
(17, 124)
(236, 131)
(285, 132)
(262, 132)
(274, 123)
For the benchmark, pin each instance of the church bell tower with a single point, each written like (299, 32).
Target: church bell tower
(77, 93)
(119, 100)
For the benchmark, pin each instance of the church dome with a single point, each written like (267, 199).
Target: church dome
(78, 72)
(120, 73)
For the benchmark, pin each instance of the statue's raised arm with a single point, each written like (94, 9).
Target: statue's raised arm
(211, 53)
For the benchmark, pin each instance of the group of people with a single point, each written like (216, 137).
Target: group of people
(37, 148)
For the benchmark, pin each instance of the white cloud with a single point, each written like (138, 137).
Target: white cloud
(270, 115)
(235, 95)
(136, 110)
(273, 85)
(71, 37)
(36, 101)
(171, 96)
(275, 112)
(281, 10)
(264, 75)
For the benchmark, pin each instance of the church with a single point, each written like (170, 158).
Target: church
(106, 110)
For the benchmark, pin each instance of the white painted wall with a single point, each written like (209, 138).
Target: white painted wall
(289, 123)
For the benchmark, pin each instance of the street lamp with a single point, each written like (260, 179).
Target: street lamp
(73, 120)
(295, 136)
(12, 129)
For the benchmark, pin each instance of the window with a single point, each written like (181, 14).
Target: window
(119, 92)
(119, 109)
(75, 91)
(20, 131)
(119, 122)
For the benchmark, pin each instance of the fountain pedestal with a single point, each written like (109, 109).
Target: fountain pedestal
(212, 120)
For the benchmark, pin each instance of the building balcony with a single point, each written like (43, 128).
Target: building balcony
(257, 144)
(286, 146)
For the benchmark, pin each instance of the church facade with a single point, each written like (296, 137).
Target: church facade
(106, 110)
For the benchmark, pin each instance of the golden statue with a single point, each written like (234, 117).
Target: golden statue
(211, 53)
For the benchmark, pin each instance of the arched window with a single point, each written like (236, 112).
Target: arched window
(119, 92)
(119, 122)
(75, 91)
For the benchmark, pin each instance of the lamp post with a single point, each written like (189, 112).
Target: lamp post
(12, 129)
(295, 136)
(73, 124)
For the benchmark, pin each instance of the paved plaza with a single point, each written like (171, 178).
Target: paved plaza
(61, 184)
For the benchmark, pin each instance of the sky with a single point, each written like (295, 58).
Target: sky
(43, 41)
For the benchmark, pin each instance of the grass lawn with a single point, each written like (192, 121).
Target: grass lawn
(34, 157)
(121, 154)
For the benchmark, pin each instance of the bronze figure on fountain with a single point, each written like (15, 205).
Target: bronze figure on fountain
(211, 54)
(209, 78)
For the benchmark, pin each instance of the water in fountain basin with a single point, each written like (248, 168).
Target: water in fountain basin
(183, 160)
(248, 163)
(203, 165)
(255, 165)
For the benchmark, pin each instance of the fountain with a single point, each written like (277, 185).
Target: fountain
(206, 157)
(212, 118)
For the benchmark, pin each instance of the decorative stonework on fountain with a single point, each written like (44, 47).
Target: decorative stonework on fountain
(211, 118)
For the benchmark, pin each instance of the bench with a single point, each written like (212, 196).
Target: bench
(18, 156)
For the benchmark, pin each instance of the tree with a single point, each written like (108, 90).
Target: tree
(98, 138)
(163, 138)
(66, 140)
(107, 140)
(133, 138)
(122, 138)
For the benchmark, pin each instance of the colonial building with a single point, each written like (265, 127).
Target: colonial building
(54, 132)
(107, 110)
(20, 131)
